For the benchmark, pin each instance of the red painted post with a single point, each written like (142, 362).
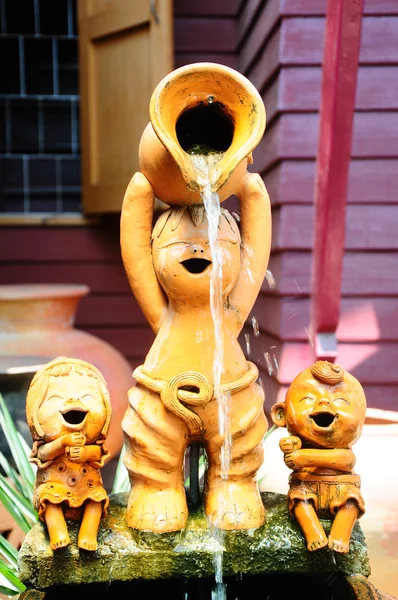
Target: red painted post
(340, 66)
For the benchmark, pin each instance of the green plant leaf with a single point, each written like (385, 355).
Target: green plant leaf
(30, 468)
(121, 482)
(11, 473)
(269, 431)
(17, 450)
(18, 507)
(14, 512)
(24, 505)
(8, 552)
(10, 584)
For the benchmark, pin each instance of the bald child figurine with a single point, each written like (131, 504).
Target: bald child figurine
(324, 412)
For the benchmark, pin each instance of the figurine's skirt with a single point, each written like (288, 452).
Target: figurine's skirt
(328, 493)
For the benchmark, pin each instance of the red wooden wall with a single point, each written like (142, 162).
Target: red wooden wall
(278, 45)
(281, 52)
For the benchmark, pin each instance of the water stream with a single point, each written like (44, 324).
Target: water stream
(205, 168)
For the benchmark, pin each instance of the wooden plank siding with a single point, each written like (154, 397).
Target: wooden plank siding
(205, 31)
(280, 50)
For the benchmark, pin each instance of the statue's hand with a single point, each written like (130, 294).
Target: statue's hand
(74, 439)
(292, 460)
(76, 453)
(250, 183)
(289, 444)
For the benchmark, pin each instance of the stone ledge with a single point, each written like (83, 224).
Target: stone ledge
(125, 555)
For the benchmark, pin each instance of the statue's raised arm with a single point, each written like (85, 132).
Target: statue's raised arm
(255, 220)
(135, 241)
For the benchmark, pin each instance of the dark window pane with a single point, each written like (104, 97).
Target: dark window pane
(54, 17)
(2, 126)
(42, 178)
(14, 204)
(76, 126)
(71, 202)
(75, 29)
(11, 185)
(70, 182)
(68, 70)
(24, 126)
(43, 189)
(39, 66)
(41, 203)
(71, 174)
(57, 126)
(20, 17)
(9, 56)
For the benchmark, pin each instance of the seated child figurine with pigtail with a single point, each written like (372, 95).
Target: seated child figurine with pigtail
(324, 411)
(68, 412)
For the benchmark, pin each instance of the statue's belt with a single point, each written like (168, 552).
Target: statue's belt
(194, 389)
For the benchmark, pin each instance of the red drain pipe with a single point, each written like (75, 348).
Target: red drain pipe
(339, 77)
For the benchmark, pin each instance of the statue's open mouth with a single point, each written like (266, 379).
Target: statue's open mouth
(74, 416)
(196, 265)
(323, 419)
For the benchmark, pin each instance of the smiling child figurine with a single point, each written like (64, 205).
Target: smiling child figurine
(68, 412)
(324, 411)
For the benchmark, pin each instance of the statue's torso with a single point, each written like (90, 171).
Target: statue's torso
(186, 342)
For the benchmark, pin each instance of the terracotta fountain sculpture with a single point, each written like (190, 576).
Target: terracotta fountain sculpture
(68, 412)
(196, 274)
(324, 412)
(169, 269)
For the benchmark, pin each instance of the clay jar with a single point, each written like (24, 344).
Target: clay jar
(201, 104)
(37, 325)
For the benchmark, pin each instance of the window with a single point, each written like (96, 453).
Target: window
(125, 48)
(39, 107)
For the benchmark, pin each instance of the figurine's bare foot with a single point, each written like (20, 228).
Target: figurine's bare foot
(87, 544)
(87, 539)
(56, 526)
(161, 511)
(59, 542)
(339, 545)
(317, 544)
(310, 525)
(344, 521)
(234, 505)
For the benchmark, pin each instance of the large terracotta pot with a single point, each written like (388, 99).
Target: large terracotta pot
(37, 325)
(206, 104)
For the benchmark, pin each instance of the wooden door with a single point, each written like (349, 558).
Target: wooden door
(125, 49)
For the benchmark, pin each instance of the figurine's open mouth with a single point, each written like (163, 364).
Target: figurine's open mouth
(196, 265)
(323, 419)
(75, 416)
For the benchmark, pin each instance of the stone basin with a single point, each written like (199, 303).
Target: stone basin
(125, 555)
